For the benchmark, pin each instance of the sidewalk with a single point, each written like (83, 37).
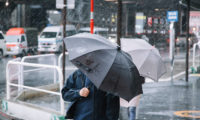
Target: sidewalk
(4, 116)
(161, 100)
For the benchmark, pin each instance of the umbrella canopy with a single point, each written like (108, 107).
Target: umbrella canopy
(108, 67)
(146, 57)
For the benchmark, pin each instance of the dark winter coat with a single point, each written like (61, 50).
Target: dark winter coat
(99, 105)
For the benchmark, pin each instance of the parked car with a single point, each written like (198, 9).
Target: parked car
(20, 41)
(2, 45)
(181, 40)
(97, 30)
(50, 39)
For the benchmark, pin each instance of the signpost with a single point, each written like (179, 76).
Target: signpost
(172, 16)
(64, 5)
(119, 21)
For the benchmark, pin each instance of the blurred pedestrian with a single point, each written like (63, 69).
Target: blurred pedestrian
(128, 109)
(89, 103)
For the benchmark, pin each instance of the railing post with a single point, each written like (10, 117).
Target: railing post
(55, 75)
(21, 77)
(60, 76)
(7, 83)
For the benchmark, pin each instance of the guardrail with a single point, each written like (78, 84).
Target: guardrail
(36, 56)
(21, 63)
(21, 86)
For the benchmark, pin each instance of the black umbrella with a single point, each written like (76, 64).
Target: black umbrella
(105, 64)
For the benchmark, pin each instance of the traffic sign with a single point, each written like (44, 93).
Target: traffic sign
(70, 4)
(172, 16)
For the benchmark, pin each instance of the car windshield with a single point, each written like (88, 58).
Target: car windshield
(70, 32)
(83, 31)
(12, 38)
(112, 36)
(102, 33)
(48, 35)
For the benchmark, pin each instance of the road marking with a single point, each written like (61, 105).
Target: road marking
(166, 79)
(188, 114)
(174, 77)
(195, 75)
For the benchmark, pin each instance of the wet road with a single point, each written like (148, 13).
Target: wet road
(161, 100)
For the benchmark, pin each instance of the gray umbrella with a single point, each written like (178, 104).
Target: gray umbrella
(108, 67)
(146, 57)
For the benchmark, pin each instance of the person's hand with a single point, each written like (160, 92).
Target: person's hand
(84, 92)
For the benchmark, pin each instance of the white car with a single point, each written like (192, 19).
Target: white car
(97, 30)
(2, 45)
(50, 39)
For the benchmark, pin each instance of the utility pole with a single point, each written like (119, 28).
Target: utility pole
(64, 35)
(187, 37)
(119, 21)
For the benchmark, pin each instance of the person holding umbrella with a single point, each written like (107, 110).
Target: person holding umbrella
(128, 109)
(89, 103)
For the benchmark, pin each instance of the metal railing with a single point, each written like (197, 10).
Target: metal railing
(21, 85)
(21, 63)
(36, 56)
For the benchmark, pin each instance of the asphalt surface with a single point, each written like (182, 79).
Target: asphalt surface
(161, 100)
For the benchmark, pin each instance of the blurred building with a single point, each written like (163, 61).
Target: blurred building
(40, 13)
(139, 17)
(144, 17)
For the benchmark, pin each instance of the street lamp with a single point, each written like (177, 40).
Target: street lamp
(7, 3)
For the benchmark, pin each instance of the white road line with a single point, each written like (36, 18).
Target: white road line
(169, 78)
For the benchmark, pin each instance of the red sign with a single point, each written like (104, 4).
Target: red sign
(149, 21)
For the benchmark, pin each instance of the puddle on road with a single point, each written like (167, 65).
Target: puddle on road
(46, 101)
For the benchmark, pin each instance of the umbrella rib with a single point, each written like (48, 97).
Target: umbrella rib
(90, 52)
(157, 67)
(110, 65)
(117, 82)
(144, 60)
